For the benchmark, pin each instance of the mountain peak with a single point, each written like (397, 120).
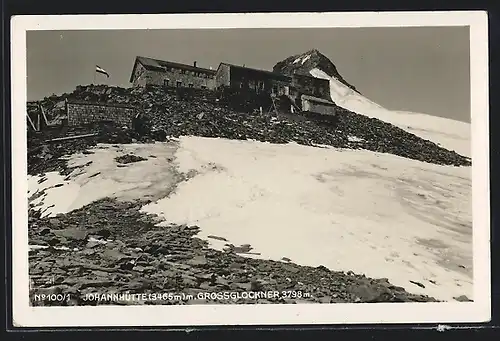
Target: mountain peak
(303, 63)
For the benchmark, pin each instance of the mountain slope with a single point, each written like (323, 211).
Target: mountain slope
(175, 117)
(410, 221)
(450, 134)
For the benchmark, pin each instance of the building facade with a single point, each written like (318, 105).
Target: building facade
(261, 81)
(318, 106)
(148, 71)
(311, 86)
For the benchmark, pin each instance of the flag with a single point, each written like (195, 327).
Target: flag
(101, 70)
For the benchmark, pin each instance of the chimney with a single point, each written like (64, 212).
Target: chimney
(194, 64)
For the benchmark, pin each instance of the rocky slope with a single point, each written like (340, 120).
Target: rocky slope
(305, 62)
(109, 247)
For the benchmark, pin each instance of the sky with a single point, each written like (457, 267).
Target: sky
(418, 69)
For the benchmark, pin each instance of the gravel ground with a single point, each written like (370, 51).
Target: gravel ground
(110, 247)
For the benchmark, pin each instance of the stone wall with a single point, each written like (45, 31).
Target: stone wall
(80, 113)
(173, 78)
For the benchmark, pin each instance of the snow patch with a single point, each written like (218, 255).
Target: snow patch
(52, 193)
(409, 220)
(44, 247)
(99, 176)
(296, 60)
(355, 139)
(306, 58)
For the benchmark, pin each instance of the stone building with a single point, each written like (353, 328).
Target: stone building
(242, 87)
(170, 74)
(304, 85)
(261, 88)
(248, 89)
(248, 79)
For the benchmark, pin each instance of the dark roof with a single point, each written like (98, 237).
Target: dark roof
(160, 65)
(270, 74)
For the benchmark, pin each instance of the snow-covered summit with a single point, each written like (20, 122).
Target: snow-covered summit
(305, 62)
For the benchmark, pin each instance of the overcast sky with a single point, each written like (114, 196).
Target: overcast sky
(423, 69)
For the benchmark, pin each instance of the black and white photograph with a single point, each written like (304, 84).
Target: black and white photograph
(250, 169)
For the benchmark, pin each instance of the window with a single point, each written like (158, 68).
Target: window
(190, 85)
(203, 87)
(275, 89)
(179, 84)
(165, 82)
